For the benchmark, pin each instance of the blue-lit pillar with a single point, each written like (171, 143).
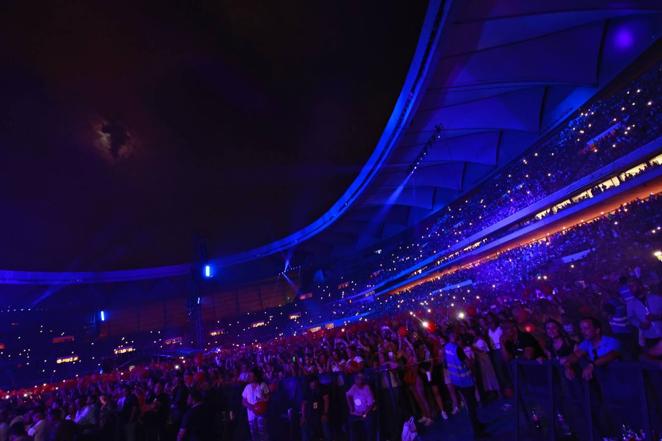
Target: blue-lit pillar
(202, 271)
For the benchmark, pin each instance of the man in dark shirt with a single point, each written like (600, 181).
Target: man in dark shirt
(197, 424)
(60, 429)
(315, 411)
(128, 413)
(155, 416)
(516, 343)
(179, 398)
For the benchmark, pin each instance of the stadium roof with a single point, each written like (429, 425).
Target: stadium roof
(500, 75)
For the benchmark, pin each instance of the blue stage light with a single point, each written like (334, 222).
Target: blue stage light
(207, 272)
(102, 316)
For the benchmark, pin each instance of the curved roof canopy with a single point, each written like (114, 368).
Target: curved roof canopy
(503, 74)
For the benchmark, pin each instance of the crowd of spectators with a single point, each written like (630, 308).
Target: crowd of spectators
(603, 130)
(422, 353)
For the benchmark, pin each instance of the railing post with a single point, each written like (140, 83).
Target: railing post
(394, 409)
(551, 404)
(517, 397)
(644, 402)
(588, 414)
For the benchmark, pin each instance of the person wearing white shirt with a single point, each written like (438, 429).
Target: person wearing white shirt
(495, 336)
(255, 398)
(362, 405)
(645, 313)
(494, 333)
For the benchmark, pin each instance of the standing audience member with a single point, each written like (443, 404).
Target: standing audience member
(518, 344)
(255, 398)
(60, 429)
(315, 411)
(653, 346)
(616, 311)
(644, 312)
(362, 406)
(197, 421)
(460, 376)
(128, 413)
(596, 349)
(559, 344)
(39, 429)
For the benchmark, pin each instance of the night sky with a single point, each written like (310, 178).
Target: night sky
(126, 127)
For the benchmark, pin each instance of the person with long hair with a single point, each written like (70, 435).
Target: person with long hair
(559, 345)
(488, 378)
(414, 382)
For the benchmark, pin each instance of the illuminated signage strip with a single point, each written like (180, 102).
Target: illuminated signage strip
(63, 339)
(173, 341)
(70, 359)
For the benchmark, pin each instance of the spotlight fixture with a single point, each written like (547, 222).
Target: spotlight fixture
(436, 136)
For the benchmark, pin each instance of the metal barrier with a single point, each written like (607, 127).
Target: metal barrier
(547, 406)
(284, 408)
(622, 400)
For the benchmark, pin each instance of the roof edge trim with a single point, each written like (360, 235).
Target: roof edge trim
(408, 100)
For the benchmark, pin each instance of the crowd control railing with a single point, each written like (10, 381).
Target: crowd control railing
(623, 401)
